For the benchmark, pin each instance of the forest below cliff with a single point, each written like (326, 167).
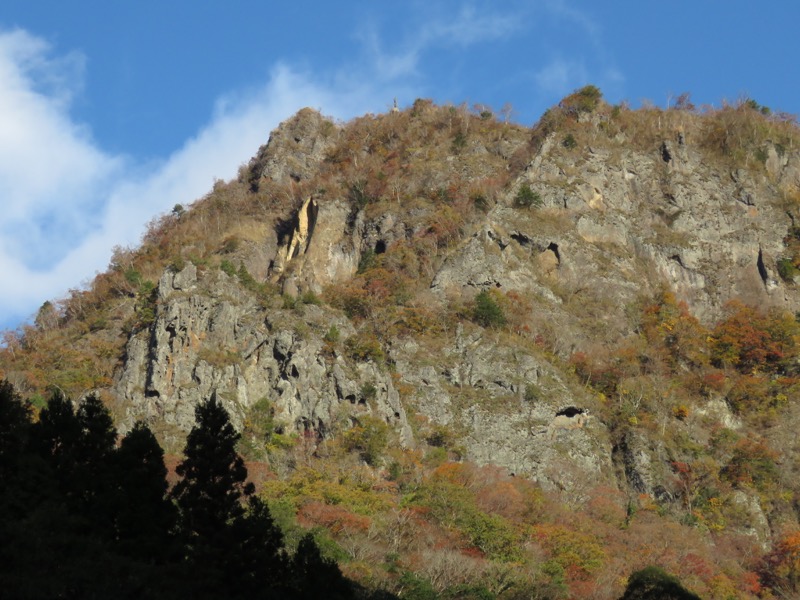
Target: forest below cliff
(462, 358)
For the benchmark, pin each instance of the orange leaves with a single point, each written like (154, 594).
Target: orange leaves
(752, 464)
(669, 324)
(580, 554)
(781, 567)
(336, 519)
(749, 340)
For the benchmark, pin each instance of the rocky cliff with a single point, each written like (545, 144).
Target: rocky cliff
(335, 280)
(610, 222)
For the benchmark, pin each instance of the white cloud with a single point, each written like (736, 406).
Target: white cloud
(47, 163)
(467, 27)
(67, 203)
(561, 76)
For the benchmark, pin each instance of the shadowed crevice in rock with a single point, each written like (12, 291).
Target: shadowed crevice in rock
(571, 411)
(666, 155)
(762, 269)
(553, 247)
(522, 239)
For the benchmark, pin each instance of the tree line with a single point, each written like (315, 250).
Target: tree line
(85, 514)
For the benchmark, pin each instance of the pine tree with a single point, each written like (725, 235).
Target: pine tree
(209, 498)
(55, 436)
(144, 515)
(653, 583)
(316, 576)
(14, 423)
(258, 563)
(212, 487)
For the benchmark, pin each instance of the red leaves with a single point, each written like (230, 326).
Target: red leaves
(748, 339)
(781, 567)
(334, 518)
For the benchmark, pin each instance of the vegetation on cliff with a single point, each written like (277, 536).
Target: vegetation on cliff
(583, 389)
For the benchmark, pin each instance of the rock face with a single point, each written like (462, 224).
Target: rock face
(322, 248)
(512, 409)
(615, 224)
(294, 149)
(207, 340)
(619, 226)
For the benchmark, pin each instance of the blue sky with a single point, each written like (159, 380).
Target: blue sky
(113, 112)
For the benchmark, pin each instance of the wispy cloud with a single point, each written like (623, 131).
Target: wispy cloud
(466, 27)
(560, 76)
(470, 26)
(574, 71)
(66, 202)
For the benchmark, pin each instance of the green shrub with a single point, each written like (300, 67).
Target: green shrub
(532, 392)
(367, 261)
(459, 142)
(569, 142)
(310, 297)
(364, 348)
(487, 312)
(359, 194)
(247, 280)
(417, 588)
(133, 277)
(441, 436)
(787, 270)
(227, 267)
(178, 264)
(584, 100)
(526, 197)
(230, 245)
(333, 335)
(369, 392)
(258, 430)
(370, 438)
(480, 202)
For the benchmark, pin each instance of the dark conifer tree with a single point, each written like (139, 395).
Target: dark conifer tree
(60, 531)
(653, 583)
(15, 419)
(209, 498)
(55, 435)
(145, 518)
(213, 486)
(98, 434)
(316, 576)
(94, 474)
(258, 564)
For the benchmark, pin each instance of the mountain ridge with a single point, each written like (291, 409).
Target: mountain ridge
(553, 300)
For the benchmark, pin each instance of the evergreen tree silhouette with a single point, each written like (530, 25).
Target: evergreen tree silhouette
(653, 583)
(15, 419)
(62, 530)
(145, 517)
(316, 576)
(258, 563)
(55, 435)
(209, 497)
(212, 487)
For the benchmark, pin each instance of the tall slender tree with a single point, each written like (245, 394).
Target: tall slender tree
(14, 423)
(230, 552)
(145, 517)
(212, 487)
